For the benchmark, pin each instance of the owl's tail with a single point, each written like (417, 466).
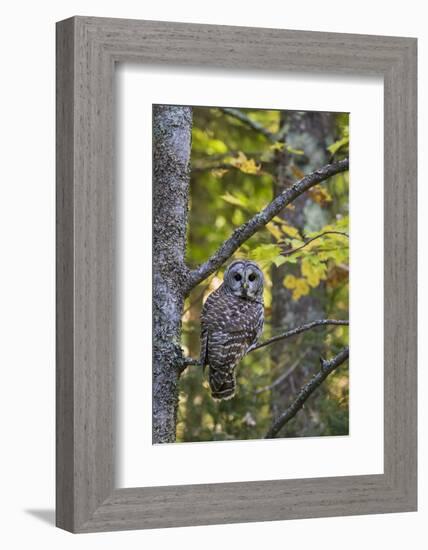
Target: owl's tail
(222, 381)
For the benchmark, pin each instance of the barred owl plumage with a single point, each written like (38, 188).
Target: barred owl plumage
(231, 324)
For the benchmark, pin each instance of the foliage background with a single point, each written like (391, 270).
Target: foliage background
(236, 171)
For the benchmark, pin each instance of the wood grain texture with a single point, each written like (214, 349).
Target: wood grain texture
(87, 49)
(64, 277)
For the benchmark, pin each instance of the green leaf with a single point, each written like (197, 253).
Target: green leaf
(201, 141)
(294, 151)
(277, 146)
(236, 200)
(334, 147)
(266, 252)
(238, 217)
(279, 260)
(219, 172)
(293, 259)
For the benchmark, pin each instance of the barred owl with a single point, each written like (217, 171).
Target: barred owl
(231, 323)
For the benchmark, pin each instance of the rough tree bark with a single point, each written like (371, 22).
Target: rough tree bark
(310, 132)
(172, 128)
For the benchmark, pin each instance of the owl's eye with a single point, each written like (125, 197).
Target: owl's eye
(252, 277)
(237, 277)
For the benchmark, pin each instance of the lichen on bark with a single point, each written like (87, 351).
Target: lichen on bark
(172, 126)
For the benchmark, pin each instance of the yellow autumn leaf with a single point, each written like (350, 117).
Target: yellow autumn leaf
(290, 230)
(274, 230)
(313, 280)
(238, 160)
(290, 281)
(301, 289)
(314, 273)
(219, 172)
(250, 167)
(277, 146)
(246, 165)
(320, 195)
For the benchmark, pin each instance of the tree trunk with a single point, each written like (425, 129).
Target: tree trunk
(172, 128)
(308, 131)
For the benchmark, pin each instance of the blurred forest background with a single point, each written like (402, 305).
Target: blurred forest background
(240, 160)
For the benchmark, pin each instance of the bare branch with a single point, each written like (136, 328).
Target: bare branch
(300, 329)
(188, 361)
(284, 375)
(327, 367)
(289, 252)
(280, 135)
(247, 230)
(253, 124)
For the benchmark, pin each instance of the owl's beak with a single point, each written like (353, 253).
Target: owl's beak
(245, 286)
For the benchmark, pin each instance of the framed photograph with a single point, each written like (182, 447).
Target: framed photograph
(236, 211)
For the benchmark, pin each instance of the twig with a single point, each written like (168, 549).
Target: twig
(282, 132)
(253, 124)
(283, 376)
(188, 361)
(288, 252)
(298, 330)
(327, 367)
(259, 220)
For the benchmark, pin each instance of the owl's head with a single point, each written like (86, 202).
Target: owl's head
(244, 279)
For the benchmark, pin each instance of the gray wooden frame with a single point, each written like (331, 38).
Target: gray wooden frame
(87, 50)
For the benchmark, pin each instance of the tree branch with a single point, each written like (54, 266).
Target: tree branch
(292, 251)
(327, 367)
(253, 124)
(298, 330)
(188, 361)
(247, 230)
(283, 376)
(282, 132)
